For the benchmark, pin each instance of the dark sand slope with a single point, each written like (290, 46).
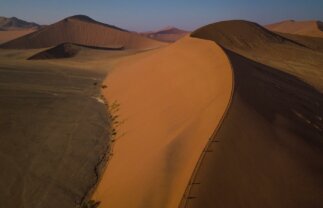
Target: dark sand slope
(269, 148)
(308, 28)
(85, 31)
(314, 43)
(64, 50)
(53, 134)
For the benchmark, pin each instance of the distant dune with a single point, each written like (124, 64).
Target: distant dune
(170, 34)
(9, 35)
(307, 28)
(82, 30)
(171, 102)
(269, 149)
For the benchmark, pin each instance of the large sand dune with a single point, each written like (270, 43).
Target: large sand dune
(307, 28)
(85, 31)
(171, 101)
(270, 145)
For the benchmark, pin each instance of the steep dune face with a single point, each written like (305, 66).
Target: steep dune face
(307, 28)
(85, 31)
(269, 149)
(171, 101)
(167, 35)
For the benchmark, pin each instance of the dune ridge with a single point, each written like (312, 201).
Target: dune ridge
(170, 110)
(269, 145)
(82, 30)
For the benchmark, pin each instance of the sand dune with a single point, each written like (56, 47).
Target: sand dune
(269, 152)
(257, 43)
(170, 34)
(171, 101)
(6, 36)
(239, 34)
(85, 31)
(307, 28)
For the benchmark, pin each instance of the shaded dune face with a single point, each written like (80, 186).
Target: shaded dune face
(239, 34)
(314, 43)
(269, 149)
(320, 25)
(64, 50)
(255, 42)
(85, 31)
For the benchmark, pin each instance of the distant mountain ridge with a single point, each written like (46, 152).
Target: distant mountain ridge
(13, 23)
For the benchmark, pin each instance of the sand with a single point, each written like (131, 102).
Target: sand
(171, 101)
(169, 35)
(84, 31)
(6, 36)
(307, 28)
(314, 43)
(269, 149)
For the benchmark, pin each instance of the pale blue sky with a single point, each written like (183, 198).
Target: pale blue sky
(142, 15)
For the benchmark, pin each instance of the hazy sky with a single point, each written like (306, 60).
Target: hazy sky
(141, 15)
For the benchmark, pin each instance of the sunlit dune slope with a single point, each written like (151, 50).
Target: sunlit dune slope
(269, 149)
(6, 36)
(171, 101)
(308, 28)
(85, 31)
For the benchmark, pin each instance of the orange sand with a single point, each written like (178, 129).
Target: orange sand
(307, 28)
(13, 34)
(171, 101)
